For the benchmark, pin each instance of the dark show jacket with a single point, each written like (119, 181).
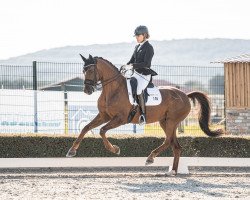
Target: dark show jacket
(141, 59)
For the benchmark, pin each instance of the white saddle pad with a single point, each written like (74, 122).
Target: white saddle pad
(154, 97)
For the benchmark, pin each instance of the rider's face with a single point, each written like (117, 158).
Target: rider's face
(139, 38)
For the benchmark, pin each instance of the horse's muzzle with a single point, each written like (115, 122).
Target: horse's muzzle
(88, 89)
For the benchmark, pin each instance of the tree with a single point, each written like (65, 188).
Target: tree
(195, 85)
(20, 83)
(216, 84)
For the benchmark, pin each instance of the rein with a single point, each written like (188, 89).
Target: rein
(106, 82)
(94, 83)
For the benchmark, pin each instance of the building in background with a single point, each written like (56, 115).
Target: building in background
(237, 94)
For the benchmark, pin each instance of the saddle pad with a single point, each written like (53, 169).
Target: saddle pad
(154, 97)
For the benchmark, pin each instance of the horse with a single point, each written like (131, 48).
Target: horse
(114, 108)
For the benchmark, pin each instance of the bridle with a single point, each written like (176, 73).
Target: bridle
(94, 83)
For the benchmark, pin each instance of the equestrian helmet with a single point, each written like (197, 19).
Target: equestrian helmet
(140, 30)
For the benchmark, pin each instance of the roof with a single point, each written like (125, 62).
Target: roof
(76, 84)
(245, 58)
(71, 84)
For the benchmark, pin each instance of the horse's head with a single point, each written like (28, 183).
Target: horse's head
(91, 74)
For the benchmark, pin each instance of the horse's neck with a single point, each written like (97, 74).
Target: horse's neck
(106, 71)
(113, 81)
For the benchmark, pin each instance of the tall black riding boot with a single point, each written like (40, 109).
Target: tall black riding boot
(142, 118)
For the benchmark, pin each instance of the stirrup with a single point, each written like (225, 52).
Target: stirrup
(132, 113)
(142, 120)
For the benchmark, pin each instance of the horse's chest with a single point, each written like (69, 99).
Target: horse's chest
(113, 103)
(109, 108)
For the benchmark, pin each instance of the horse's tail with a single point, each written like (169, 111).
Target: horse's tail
(204, 113)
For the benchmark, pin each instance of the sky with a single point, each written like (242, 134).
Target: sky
(27, 26)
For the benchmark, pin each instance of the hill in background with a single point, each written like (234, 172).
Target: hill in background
(170, 52)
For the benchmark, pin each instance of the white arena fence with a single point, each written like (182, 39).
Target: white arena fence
(28, 111)
(49, 112)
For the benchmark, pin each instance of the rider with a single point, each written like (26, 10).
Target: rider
(141, 62)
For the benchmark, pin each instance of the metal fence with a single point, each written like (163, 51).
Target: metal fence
(43, 86)
(16, 77)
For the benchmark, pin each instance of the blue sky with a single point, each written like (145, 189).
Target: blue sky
(31, 25)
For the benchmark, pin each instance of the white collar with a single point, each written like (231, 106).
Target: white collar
(140, 44)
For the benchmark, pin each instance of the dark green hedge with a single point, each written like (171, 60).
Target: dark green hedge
(14, 147)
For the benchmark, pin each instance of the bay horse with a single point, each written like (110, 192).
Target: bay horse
(114, 108)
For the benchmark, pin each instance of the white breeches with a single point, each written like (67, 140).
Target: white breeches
(142, 81)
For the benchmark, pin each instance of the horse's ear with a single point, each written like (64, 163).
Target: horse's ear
(90, 57)
(84, 59)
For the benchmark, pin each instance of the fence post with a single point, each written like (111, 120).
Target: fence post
(134, 128)
(180, 125)
(35, 95)
(66, 109)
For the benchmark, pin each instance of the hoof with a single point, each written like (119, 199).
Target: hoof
(117, 150)
(71, 153)
(149, 162)
(171, 173)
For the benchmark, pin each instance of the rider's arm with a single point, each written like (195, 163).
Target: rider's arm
(132, 60)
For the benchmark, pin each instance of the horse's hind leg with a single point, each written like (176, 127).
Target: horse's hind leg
(176, 147)
(168, 126)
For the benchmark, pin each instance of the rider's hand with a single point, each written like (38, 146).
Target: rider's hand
(127, 70)
(129, 67)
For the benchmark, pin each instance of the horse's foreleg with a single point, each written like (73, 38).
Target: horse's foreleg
(97, 121)
(113, 123)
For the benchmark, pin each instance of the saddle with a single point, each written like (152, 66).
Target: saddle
(152, 94)
(152, 97)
